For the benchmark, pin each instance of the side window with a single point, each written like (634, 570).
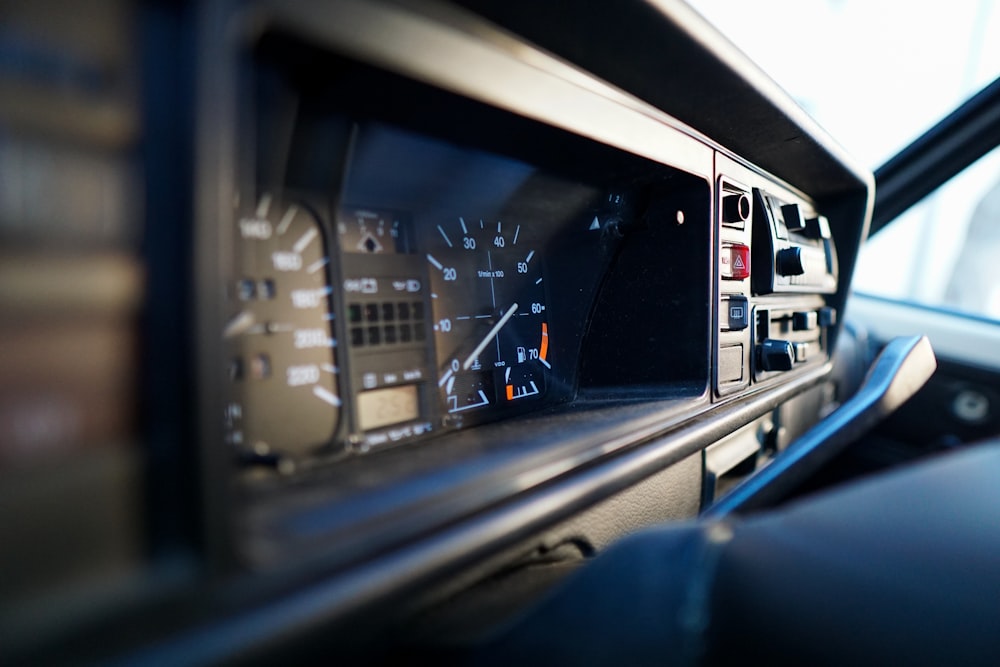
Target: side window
(945, 251)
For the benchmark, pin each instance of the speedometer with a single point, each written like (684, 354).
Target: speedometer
(490, 321)
(282, 364)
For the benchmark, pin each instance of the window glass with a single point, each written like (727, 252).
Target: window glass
(874, 73)
(945, 251)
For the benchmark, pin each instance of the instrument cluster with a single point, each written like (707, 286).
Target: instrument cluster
(418, 301)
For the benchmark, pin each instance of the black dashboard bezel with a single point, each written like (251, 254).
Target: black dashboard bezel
(650, 341)
(653, 318)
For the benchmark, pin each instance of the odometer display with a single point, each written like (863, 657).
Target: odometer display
(490, 328)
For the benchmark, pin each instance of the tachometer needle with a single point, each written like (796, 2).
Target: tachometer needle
(489, 336)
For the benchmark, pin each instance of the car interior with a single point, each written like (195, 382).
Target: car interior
(473, 332)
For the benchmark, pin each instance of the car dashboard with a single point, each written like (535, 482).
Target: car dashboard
(461, 284)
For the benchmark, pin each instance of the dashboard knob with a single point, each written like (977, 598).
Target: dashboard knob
(789, 262)
(735, 208)
(776, 355)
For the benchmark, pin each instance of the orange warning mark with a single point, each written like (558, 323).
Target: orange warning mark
(510, 392)
(545, 342)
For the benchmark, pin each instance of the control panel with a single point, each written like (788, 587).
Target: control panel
(736, 220)
(788, 335)
(777, 264)
(796, 251)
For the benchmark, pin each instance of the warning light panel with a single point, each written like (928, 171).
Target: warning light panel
(734, 261)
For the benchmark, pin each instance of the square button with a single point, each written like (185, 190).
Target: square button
(404, 311)
(734, 261)
(354, 313)
(374, 335)
(730, 364)
(735, 313)
(371, 312)
(805, 320)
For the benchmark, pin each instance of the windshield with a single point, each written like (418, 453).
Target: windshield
(874, 73)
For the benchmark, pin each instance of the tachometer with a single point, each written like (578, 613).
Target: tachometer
(490, 327)
(282, 363)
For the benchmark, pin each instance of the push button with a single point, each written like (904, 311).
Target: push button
(776, 355)
(734, 261)
(735, 313)
(805, 320)
(817, 228)
(731, 364)
(793, 217)
(735, 209)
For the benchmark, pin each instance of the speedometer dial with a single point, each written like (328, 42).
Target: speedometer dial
(490, 328)
(282, 363)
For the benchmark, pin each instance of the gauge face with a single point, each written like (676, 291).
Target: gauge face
(282, 364)
(490, 328)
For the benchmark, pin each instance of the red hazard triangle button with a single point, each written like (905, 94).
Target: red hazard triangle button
(735, 261)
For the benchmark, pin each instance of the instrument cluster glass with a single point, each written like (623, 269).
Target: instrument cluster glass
(490, 328)
(421, 305)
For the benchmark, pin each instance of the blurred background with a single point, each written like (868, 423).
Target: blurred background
(71, 297)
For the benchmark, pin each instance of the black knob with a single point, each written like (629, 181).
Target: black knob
(735, 208)
(789, 262)
(776, 355)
